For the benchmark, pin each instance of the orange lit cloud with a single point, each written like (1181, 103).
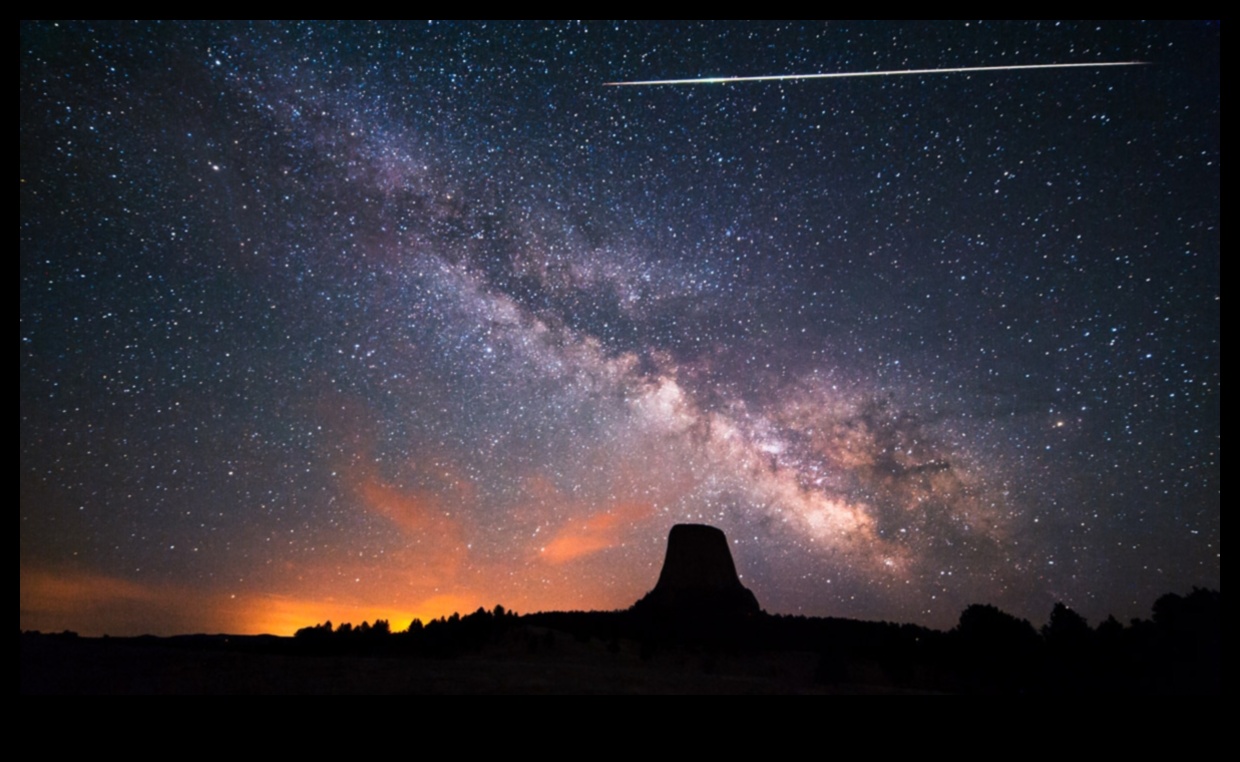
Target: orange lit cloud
(51, 602)
(97, 604)
(435, 535)
(598, 532)
(415, 512)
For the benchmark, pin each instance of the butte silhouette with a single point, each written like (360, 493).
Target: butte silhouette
(698, 583)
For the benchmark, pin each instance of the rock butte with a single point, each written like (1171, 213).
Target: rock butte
(699, 579)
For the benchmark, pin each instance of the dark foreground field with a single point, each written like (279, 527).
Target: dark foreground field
(642, 650)
(555, 663)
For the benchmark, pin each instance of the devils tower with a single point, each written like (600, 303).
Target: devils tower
(699, 580)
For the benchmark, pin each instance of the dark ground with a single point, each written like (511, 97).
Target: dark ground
(90, 666)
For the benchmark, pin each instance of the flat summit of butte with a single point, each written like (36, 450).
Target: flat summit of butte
(698, 580)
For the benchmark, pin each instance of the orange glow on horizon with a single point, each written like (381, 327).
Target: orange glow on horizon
(280, 615)
(434, 562)
(95, 605)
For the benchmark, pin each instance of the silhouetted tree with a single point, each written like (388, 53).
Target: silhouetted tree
(1110, 629)
(1065, 624)
(998, 652)
(1188, 642)
(1071, 663)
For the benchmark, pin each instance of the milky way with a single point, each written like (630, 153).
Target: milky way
(394, 320)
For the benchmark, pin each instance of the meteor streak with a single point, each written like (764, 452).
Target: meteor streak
(889, 73)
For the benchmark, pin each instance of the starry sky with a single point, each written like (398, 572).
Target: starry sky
(357, 321)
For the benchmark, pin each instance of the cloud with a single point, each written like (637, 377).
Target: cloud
(607, 529)
(90, 603)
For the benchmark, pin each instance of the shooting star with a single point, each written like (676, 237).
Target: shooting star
(888, 73)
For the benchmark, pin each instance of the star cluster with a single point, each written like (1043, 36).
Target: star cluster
(391, 320)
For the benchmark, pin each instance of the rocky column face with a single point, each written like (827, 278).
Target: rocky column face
(699, 578)
(698, 558)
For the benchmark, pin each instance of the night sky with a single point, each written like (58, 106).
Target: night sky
(390, 320)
